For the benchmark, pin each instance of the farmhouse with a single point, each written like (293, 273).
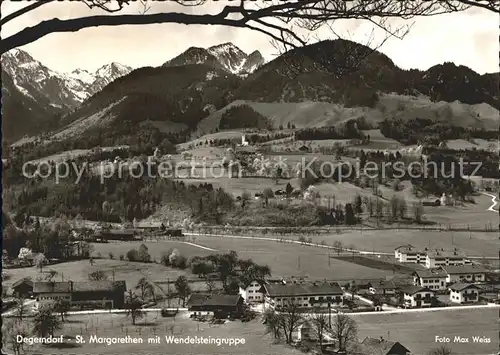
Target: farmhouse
(374, 346)
(303, 295)
(23, 288)
(87, 294)
(409, 254)
(464, 273)
(220, 306)
(115, 234)
(435, 279)
(464, 293)
(416, 296)
(441, 257)
(383, 288)
(252, 292)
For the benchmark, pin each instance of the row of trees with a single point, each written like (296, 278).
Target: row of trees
(230, 269)
(425, 130)
(282, 325)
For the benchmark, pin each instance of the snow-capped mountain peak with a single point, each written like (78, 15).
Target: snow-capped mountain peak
(225, 56)
(60, 89)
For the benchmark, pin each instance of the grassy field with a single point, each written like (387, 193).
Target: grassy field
(286, 259)
(417, 331)
(109, 325)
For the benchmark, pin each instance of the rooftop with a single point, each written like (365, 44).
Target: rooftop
(414, 289)
(380, 346)
(459, 286)
(85, 286)
(213, 300)
(427, 273)
(445, 253)
(463, 269)
(276, 290)
(25, 280)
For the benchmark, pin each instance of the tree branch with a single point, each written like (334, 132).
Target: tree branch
(309, 14)
(24, 10)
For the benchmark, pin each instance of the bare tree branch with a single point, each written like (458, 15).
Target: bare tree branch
(22, 11)
(306, 14)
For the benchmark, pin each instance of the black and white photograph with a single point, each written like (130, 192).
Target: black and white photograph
(250, 177)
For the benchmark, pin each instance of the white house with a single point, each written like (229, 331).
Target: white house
(416, 296)
(409, 254)
(441, 257)
(253, 292)
(464, 273)
(434, 279)
(321, 295)
(464, 293)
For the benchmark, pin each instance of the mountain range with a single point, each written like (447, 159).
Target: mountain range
(199, 83)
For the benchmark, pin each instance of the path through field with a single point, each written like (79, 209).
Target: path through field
(200, 246)
(362, 252)
(493, 200)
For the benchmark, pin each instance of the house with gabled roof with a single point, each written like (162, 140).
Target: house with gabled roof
(84, 294)
(304, 295)
(464, 293)
(416, 296)
(23, 288)
(464, 273)
(204, 304)
(435, 279)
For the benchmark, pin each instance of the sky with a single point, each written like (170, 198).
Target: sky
(469, 38)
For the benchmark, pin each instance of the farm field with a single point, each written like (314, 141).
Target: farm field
(287, 259)
(478, 244)
(117, 325)
(417, 330)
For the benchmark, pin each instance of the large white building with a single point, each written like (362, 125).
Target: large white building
(441, 257)
(304, 295)
(409, 254)
(429, 258)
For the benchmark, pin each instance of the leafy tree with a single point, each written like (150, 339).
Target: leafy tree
(183, 289)
(143, 254)
(145, 287)
(20, 307)
(245, 198)
(418, 211)
(358, 205)
(45, 322)
(133, 306)
(350, 218)
(133, 255)
(62, 307)
(40, 261)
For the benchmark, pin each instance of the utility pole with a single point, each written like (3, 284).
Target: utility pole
(168, 292)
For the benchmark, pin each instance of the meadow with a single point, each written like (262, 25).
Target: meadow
(417, 330)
